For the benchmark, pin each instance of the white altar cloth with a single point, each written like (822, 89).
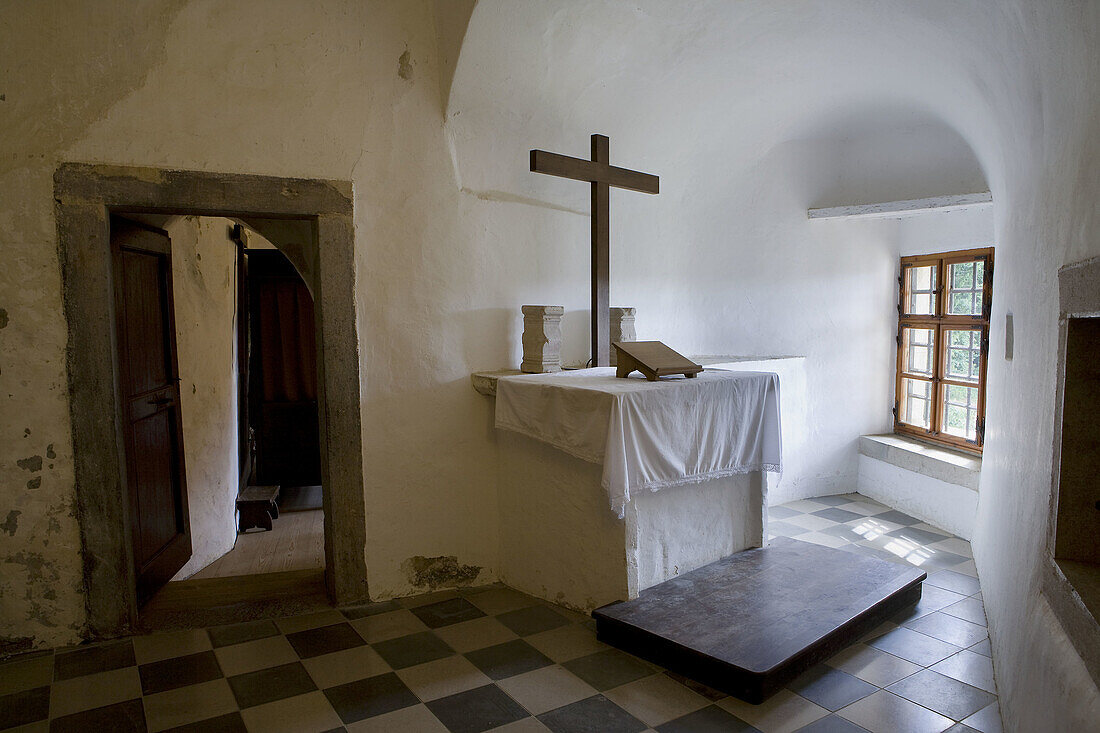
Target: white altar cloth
(649, 435)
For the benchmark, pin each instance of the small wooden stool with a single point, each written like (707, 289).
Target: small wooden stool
(257, 507)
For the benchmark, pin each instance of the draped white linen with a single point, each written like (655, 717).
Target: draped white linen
(649, 435)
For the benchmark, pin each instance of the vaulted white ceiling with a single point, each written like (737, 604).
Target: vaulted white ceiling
(702, 90)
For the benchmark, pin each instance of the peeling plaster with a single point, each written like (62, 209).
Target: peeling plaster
(11, 645)
(405, 66)
(33, 563)
(439, 572)
(11, 524)
(3, 318)
(32, 463)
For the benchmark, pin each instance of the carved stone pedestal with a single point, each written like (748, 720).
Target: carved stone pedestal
(541, 338)
(622, 328)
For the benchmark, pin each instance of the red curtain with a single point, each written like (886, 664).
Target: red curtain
(289, 355)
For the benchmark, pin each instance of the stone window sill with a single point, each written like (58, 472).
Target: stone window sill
(1073, 591)
(953, 467)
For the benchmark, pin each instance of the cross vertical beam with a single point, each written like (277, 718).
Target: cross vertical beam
(601, 257)
(603, 177)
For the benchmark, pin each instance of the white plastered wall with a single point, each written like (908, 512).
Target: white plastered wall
(941, 504)
(453, 234)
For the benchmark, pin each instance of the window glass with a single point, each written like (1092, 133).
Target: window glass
(916, 403)
(920, 289)
(918, 351)
(960, 411)
(964, 288)
(963, 360)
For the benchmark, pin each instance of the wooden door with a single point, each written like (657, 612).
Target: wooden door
(282, 373)
(149, 389)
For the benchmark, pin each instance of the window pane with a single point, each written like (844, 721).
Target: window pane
(960, 411)
(920, 290)
(964, 291)
(918, 350)
(915, 403)
(964, 355)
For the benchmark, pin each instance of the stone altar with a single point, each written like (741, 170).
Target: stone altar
(561, 536)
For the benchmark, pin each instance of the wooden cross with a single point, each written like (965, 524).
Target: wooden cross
(602, 176)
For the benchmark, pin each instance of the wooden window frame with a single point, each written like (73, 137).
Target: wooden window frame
(939, 322)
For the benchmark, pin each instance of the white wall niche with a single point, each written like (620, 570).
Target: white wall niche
(1071, 581)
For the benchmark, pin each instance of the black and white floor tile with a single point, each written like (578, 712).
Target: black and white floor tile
(492, 658)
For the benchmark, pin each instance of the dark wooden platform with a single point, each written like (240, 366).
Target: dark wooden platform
(750, 623)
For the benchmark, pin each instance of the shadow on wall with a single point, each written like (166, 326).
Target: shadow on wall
(46, 116)
(873, 155)
(489, 337)
(451, 20)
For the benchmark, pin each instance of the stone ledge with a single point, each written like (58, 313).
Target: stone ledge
(1073, 591)
(943, 464)
(486, 382)
(715, 360)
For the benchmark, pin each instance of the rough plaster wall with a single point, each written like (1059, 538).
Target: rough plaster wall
(204, 282)
(43, 108)
(1048, 179)
(336, 89)
(453, 233)
(172, 84)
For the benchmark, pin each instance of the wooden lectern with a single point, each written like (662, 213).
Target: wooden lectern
(653, 359)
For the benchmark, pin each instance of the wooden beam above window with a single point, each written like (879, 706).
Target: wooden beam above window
(901, 209)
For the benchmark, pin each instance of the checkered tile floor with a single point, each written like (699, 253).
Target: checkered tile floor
(494, 659)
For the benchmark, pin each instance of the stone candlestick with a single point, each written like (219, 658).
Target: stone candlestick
(622, 327)
(541, 338)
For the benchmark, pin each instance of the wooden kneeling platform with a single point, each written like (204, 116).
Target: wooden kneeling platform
(257, 507)
(750, 623)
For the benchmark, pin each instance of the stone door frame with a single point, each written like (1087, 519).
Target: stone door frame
(85, 197)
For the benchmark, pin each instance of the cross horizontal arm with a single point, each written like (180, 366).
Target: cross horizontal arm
(593, 172)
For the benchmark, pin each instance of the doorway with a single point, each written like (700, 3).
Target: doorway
(274, 372)
(86, 196)
(282, 378)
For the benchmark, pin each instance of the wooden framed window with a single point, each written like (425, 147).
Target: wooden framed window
(943, 343)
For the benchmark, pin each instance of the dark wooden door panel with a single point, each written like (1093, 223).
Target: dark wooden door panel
(149, 386)
(147, 343)
(158, 511)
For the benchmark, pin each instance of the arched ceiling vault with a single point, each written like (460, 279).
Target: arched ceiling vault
(697, 91)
